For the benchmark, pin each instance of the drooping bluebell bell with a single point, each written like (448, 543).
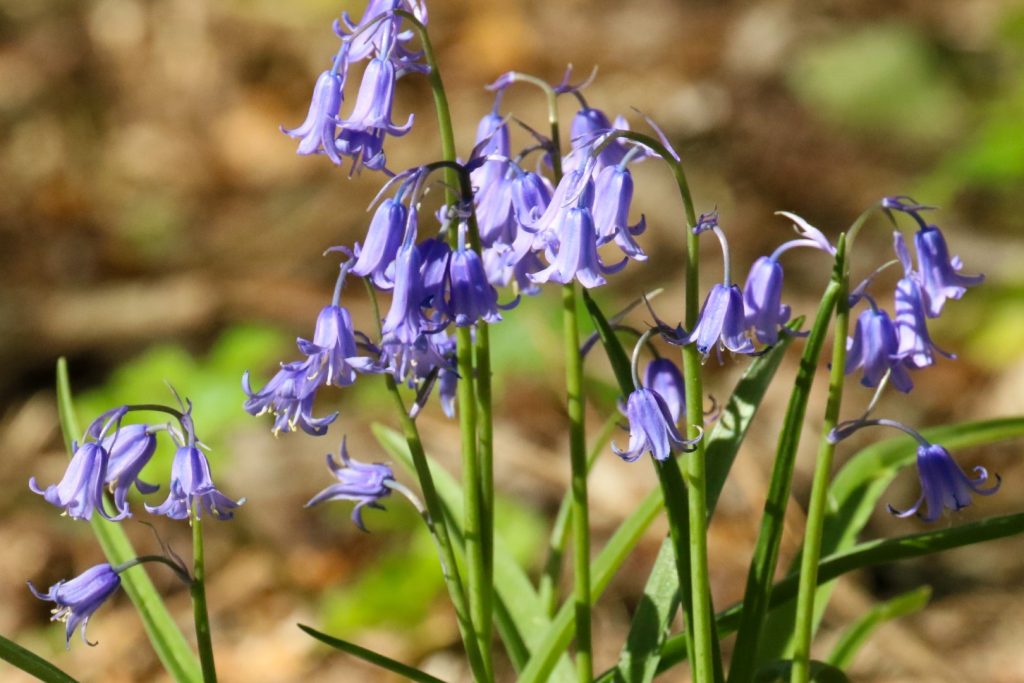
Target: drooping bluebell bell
(364, 147)
(192, 490)
(364, 483)
(916, 348)
(333, 350)
(317, 133)
(470, 296)
(588, 127)
(129, 450)
(375, 258)
(721, 323)
(76, 600)
(435, 259)
(651, 427)
(289, 396)
(875, 348)
(372, 110)
(613, 193)
(405, 321)
(663, 378)
(576, 256)
(377, 32)
(944, 485)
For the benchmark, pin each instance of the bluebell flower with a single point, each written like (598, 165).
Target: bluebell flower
(318, 131)
(366, 484)
(405, 321)
(375, 258)
(129, 450)
(76, 600)
(471, 297)
(721, 323)
(365, 147)
(192, 490)
(875, 348)
(588, 126)
(435, 256)
(613, 193)
(333, 349)
(413, 362)
(940, 274)
(372, 110)
(375, 33)
(289, 396)
(651, 428)
(663, 378)
(80, 492)
(944, 484)
(762, 300)
(577, 256)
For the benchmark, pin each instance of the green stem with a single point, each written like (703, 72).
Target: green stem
(819, 488)
(477, 476)
(199, 613)
(578, 462)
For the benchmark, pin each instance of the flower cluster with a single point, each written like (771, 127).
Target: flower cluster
(112, 455)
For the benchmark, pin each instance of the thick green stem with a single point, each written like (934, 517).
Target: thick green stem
(578, 461)
(199, 613)
(819, 488)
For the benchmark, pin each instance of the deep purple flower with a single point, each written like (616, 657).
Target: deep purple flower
(376, 256)
(190, 483)
(129, 449)
(405, 321)
(364, 483)
(471, 297)
(721, 323)
(651, 427)
(333, 349)
(76, 600)
(663, 378)
(762, 300)
(875, 347)
(613, 193)
(435, 255)
(80, 492)
(940, 274)
(317, 132)
(289, 396)
(944, 484)
(372, 110)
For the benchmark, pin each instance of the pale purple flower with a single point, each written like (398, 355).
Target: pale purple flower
(129, 449)
(613, 193)
(372, 110)
(916, 348)
(470, 296)
(940, 274)
(366, 484)
(76, 600)
(377, 33)
(721, 323)
(289, 396)
(333, 350)
(192, 490)
(577, 256)
(405, 321)
(875, 348)
(435, 255)
(663, 378)
(317, 132)
(365, 147)
(944, 484)
(80, 492)
(651, 428)
(375, 258)
(762, 300)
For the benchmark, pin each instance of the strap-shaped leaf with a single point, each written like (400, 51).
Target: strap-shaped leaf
(859, 632)
(519, 613)
(170, 645)
(410, 672)
(31, 663)
(723, 444)
(859, 485)
(868, 554)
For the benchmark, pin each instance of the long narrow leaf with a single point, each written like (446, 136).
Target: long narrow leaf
(869, 554)
(170, 645)
(519, 614)
(858, 633)
(769, 537)
(723, 444)
(412, 673)
(860, 484)
(31, 663)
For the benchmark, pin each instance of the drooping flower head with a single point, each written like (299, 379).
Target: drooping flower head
(613, 193)
(333, 350)
(366, 484)
(192, 490)
(130, 449)
(916, 348)
(875, 348)
(944, 485)
(289, 396)
(663, 378)
(317, 133)
(376, 256)
(76, 600)
(721, 323)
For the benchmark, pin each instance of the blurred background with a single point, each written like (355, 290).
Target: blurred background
(157, 226)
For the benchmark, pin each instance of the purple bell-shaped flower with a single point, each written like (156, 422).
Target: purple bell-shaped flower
(762, 300)
(317, 133)
(364, 483)
(192, 490)
(940, 274)
(721, 323)
(376, 256)
(875, 348)
(76, 600)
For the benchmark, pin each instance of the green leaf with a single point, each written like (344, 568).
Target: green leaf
(769, 537)
(723, 444)
(170, 645)
(519, 613)
(651, 621)
(867, 554)
(859, 485)
(412, 673)
(780, 672)
(31, 663)
(858, 634)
